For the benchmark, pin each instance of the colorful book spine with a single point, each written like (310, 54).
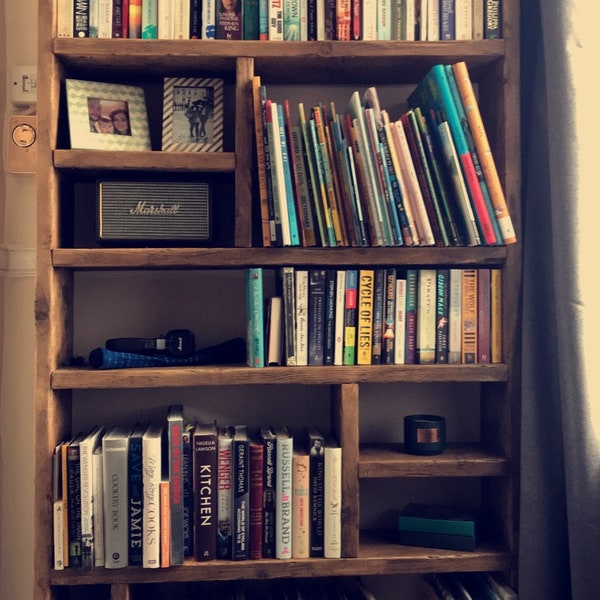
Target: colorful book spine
(340, 302)
(480, 139)
(316, 315)
(275, 15)
(412, 288)
(291, 20)
(300, 505)
(149, 19)
(469, 316)
(175, 473)
(441, 315)
(400, 321)
(165, 524)
(256, 498)
(350, 316)
(209, 19)
(455, 317)
(250, 18)
(364, 327)
(329, 318)
(301, 302)
(205, 445)
(255, 330)
(377, 327)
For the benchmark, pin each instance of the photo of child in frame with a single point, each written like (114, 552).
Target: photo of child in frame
(107, 116)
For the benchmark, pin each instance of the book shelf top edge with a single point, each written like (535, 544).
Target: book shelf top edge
(164, 377)
(239, 258)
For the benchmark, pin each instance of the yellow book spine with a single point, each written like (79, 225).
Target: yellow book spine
(366, 281)
(496, 315)
(469, 316)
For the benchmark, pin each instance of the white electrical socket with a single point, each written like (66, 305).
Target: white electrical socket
(23, 86)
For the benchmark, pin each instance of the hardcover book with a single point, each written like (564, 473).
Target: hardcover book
(268, 440)
(224, 493)
(332, 519)
(340, 301)
(496, 315)
(378, 301)
(455, 317)
(205, 486)
(315, 446)
(389, 318)
(469, 316)
(115, 443)
(151, 477)
(135, 494)
(350, 316)
(188, 489)
(364, 328)
(74, 501)
(484, 316)
(241, 493)
(441, 315)
(426, 317)
(400, 321)
(329, 325)
(275, 331)
(301, 317)
(316, 315)
(174, 466)
(412, 296)
(256, 497)
(288, 294)
(283, 496)
(300, 504)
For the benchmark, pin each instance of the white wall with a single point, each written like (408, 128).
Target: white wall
(18, 47)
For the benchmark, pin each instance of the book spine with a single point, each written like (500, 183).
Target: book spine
(165, 524)
(389, 318)
(269, 492)
(74, 505)
(229, 24)
(289, 314)
(275, 14)
(412, 278)
(117, 18)
(255, 317)
(469, 316)
(463, 19)
(442, 315)
(301, 301)
(483, 316)
(98, 508)
(283, 499)
(151, 476)
(64, 19)
(478, 28)
(455, 317)
(205, 485)
(175, 464)
(332, 541)
(486, 158)
(81, 18)
(316, 316)
(188, 491)
(195, 19)
(241, 498)
(492, 16)
(340, 300)
(300, 505)
(274, 334)
(291, 20)
(149, 19)
(134, 21)
(426, 310)
(250, 16)
(496, 315)
(115, 505)
(181, 19)
(93, 19)
(364, 329)
(256, 499)
(86, 477)
(315, 446)
(329, 320)
(224, 494)
(135, 498)
(378, 295)
(209, 19)
(447, 20)
(350, 316)
(400, 322)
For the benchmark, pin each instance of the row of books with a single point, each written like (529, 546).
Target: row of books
(154, 494)
(283, 20)
(467, 586)
(362, 178)
(367, 316)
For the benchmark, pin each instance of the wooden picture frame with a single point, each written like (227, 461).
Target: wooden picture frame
(107, 116)
(192, 114)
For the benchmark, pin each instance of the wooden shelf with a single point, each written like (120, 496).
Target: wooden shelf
(81, 378)
(457, 460)
(239, 258)
(376, 556)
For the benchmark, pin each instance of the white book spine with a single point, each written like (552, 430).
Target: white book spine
(433, 20)
(369, 18)
(58, 533)
(283, 500)
(463, 14)
(64, 18)
(181, 19)
(275, 20)
(302, 318)
(105, 18)
(384, 19)
(165, 20)
(400, 331)
(151, 476)
(340, 300)
(333, 501)
(279, 177)
(477, 19)
(209, 19)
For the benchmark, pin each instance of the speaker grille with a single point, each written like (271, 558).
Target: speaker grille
(151, 211)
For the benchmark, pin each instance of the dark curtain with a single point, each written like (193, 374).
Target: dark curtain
(559, 553)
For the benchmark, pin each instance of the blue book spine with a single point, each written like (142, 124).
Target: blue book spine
(289, 186)
(447, 20)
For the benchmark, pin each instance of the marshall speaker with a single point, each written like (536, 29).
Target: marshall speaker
(153, 212)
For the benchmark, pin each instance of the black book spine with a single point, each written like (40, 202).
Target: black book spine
(135, 497)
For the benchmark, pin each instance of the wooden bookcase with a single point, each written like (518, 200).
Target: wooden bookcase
(493, 462)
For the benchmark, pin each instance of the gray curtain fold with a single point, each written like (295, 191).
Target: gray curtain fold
(559, 553)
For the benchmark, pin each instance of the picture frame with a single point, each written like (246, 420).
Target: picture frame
(192, 114)
(107, 116)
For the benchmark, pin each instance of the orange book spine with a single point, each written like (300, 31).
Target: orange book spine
(165, 525)
(469, 316)
(484, 151)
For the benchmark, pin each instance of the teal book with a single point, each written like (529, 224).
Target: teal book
(434, 92)
(255, 329)
(439, 519)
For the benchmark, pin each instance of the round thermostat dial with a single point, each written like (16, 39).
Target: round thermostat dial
(23, 135)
